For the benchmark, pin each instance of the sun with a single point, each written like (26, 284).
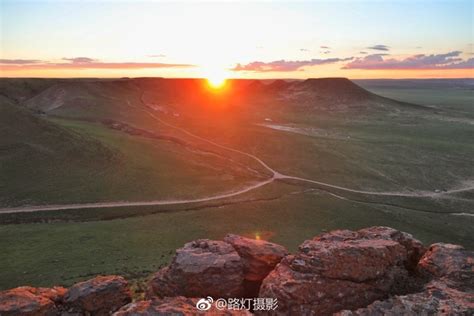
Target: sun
(216, 77)
(216, 82)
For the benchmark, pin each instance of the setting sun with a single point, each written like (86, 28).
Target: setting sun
(216, 77)
(216, 82)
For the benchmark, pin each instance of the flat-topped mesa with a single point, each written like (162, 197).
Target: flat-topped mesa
(372, 271)
(335, 86)
(324, 92)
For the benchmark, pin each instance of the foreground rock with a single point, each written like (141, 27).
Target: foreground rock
(201, 268)
(450, 291)
(451, 263)
(259, 257)
(171, 306)
(98, 296)
(437, 299)
(30, 301)
(234, 267)
(343, 270)
(373, 271)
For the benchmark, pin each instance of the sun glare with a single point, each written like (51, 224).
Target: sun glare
(216, 77)
(216, 82)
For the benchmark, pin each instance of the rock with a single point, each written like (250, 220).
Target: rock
(98, 296)
(414, 247)
(56, 293)
(171, 306)
(259, 258)
(373, 271)
(451, 263)
(201, 268)
(341, 270)
(437, 299)
(29, 301)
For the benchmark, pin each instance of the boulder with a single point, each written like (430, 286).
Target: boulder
(56, 293)
(259, 257)
(436, 299)
(98, 296)
(201, 268)
(172, 306)
(451, 263)
(30, 301)
(342, 270)
(414, 247)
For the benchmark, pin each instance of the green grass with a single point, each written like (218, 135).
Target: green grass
(64, 253)
(411, 150)
(106, 165)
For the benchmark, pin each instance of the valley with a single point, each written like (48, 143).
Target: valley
(152, 163)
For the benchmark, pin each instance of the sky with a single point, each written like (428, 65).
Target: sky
(240, 39)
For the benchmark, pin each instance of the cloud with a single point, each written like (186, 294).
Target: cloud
(362, 52)
(80, 60)
(20, 61)
(379, 47)
(81, 63)
(326, 52)
(324, 47)
(157, 56)
(449, 60)
(304, 49)
(284, 65)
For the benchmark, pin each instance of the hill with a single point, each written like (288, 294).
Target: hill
(36, 154)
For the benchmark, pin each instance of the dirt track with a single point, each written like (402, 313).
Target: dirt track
(275, 176)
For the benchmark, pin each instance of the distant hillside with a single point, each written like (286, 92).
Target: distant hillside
(35, 154)
(103, 98)
(77, 93)
(328, 94)
(18, 90)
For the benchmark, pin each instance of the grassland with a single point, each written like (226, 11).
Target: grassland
(63, 253)
(404, 151)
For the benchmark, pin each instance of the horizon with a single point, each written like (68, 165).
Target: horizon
(231, 78)
(111, 39)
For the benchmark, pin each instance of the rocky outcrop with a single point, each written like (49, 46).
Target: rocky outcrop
(450, 291)
(258, 256)
(98, 296)
(172, 306)
(437, 299)
(234, 267)
(341, 269)
(373, 271)
(201, 268)
(451, 263)
(30, 301)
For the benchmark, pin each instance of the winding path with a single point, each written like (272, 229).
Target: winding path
(275, 175)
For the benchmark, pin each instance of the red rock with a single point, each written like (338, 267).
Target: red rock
(56, 293)
(451, 263)
(172, 306)
(436, 299)
(26, 301)
(259, 256)
(414, 247)
(201, 268)
(338, 270)
(99, 296)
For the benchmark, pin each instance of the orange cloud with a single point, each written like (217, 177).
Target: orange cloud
(80, 63)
